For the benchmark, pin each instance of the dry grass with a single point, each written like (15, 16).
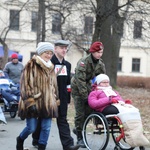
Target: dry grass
(140, 98)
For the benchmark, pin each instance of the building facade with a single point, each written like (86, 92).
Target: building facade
(18, 25)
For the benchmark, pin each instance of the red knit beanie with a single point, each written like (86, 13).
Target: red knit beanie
(14, 56)
(96, 46)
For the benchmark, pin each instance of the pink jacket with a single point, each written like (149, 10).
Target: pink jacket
(97, 100)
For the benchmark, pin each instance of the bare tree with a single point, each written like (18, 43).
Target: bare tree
(41, 31)
(110, 17)
(108, 29)
(109, 25)
(4, 34)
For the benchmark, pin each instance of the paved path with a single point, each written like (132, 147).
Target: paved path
(9, 132)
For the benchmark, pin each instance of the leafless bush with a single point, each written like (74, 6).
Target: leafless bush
(134, 82)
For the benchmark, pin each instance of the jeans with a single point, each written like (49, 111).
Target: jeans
(31, 124)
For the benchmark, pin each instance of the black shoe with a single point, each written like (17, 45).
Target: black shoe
(35, 143)
(72, 147)
(81, 143)
(74, 131)
(20, 142)
(41, 147)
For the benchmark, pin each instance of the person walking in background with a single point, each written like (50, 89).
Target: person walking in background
(87, 68)
(39, 95)
(63, 72)
(14, 69)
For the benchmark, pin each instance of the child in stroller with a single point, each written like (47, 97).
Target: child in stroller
(104, 99)
(9, 93)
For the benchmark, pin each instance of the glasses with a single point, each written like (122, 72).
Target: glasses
(48, 53)
(105, 82)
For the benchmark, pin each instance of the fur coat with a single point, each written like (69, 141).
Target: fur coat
(38, 87)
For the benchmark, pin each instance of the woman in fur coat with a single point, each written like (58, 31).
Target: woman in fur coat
(39, 95)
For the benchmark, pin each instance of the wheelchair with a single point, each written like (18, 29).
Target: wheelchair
(97, 129)
(6, 107)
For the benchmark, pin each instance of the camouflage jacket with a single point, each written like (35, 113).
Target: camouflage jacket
(85, 71)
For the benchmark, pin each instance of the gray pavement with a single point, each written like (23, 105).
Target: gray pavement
(9, 132)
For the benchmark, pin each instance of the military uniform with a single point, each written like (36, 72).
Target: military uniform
(87, 68)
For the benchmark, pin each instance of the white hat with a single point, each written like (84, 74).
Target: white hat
(43, 47)
(100, 78)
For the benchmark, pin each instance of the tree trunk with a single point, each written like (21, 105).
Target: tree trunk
(108, 29)
(4, 59)
(41, 31)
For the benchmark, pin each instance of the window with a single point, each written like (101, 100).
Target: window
(120, 64)
(14, 20)
(135, 65)
(34, 21)
(88, 26)
(137, 29)
(56, 23)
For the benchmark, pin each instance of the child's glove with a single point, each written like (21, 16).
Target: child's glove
(128, 101)
(114, 101)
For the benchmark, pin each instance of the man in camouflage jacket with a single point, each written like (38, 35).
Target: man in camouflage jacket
(87, 68)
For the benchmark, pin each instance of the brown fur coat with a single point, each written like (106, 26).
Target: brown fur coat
(38, 87)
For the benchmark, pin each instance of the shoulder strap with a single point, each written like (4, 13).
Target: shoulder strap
(59, 70)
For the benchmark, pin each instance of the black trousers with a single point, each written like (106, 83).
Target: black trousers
(110, 110)
(63, 128)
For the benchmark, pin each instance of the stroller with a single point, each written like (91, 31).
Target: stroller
(9, 95)
(12, 108)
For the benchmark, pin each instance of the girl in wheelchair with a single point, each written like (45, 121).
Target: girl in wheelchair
(104, 99)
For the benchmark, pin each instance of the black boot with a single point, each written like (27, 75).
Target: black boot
(72, 147)
(35, 143)
(80, 139)
(41, 147)
(20, 142)
(74, 131)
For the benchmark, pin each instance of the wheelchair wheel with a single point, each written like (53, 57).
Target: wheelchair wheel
(13, 114)
(96, 132)
(115, 130)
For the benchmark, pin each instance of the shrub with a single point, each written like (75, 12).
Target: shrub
(134, 82)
